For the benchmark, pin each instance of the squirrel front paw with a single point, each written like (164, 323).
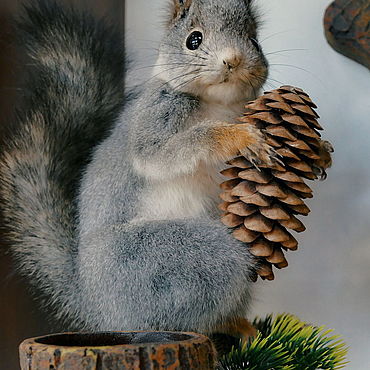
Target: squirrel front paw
(232, 140)
(325, 161)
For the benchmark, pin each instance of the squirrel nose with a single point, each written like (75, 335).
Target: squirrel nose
(232, 63)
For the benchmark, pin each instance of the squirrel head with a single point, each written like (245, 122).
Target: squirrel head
(210, 50)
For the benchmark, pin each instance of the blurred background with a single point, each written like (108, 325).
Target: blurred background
(328, 281)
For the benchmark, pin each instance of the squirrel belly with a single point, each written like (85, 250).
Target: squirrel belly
(187, 196)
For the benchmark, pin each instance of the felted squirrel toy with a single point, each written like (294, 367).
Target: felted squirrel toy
(112, 202)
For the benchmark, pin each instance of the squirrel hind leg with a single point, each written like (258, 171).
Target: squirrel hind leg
(183, 275)
(238, 328)
(231, 334)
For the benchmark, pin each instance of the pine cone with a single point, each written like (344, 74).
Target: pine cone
(262, 203)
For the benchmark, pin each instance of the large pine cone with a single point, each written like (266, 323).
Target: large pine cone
(262, 203)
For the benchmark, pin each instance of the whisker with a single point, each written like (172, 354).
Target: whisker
(204, 50)
(277, 81)
(175, 47)
(263, 80)
(183, 84)
(178, 77)
(211, 52)
(186, 55)
(291, 66)
(300, 69)
(273, 35)
(180, 65)
(284, 51)
(171, 45)
(252, 86)
(271, 85)
(192, 79)
(260, 78)
(207, 50)
(165, 70)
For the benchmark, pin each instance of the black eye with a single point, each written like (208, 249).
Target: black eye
(194, 40)
(256, 44)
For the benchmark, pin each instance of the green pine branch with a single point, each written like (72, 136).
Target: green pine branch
(290, 344)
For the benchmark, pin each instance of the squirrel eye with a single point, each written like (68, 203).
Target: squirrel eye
(194, 40)
(255, 44)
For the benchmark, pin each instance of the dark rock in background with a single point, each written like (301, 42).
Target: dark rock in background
(347, 28)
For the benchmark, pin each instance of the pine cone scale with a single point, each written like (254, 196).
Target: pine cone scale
(261, 204)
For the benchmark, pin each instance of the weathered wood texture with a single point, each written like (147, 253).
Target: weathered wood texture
(347, 28)
(124, 351)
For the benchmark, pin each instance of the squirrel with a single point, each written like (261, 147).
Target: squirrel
(111, 200)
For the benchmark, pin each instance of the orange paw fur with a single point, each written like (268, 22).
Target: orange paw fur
(242, 139)
(325, 161)
(239, 328)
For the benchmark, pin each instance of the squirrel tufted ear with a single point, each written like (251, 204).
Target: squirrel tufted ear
(178, 9)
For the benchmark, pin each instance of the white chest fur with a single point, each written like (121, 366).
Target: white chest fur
(193, 195)
(219, 112)
(182, 197)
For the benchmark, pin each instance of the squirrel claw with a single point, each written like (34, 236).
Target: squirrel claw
(320, 173)
(261, 153)
(327, 146)
(325, 161)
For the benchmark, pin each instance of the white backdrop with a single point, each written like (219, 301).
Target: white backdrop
(328, 281)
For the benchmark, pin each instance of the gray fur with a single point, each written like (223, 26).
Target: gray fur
(74, 93)
(141, 245)
(164, 275)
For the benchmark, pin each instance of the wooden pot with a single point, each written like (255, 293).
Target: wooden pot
(118, 351)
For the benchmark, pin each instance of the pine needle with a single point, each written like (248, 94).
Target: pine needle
(290, 344)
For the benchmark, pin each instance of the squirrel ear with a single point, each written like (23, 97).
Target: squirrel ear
(178, 9)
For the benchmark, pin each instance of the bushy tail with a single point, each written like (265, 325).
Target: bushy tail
(75, 91)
